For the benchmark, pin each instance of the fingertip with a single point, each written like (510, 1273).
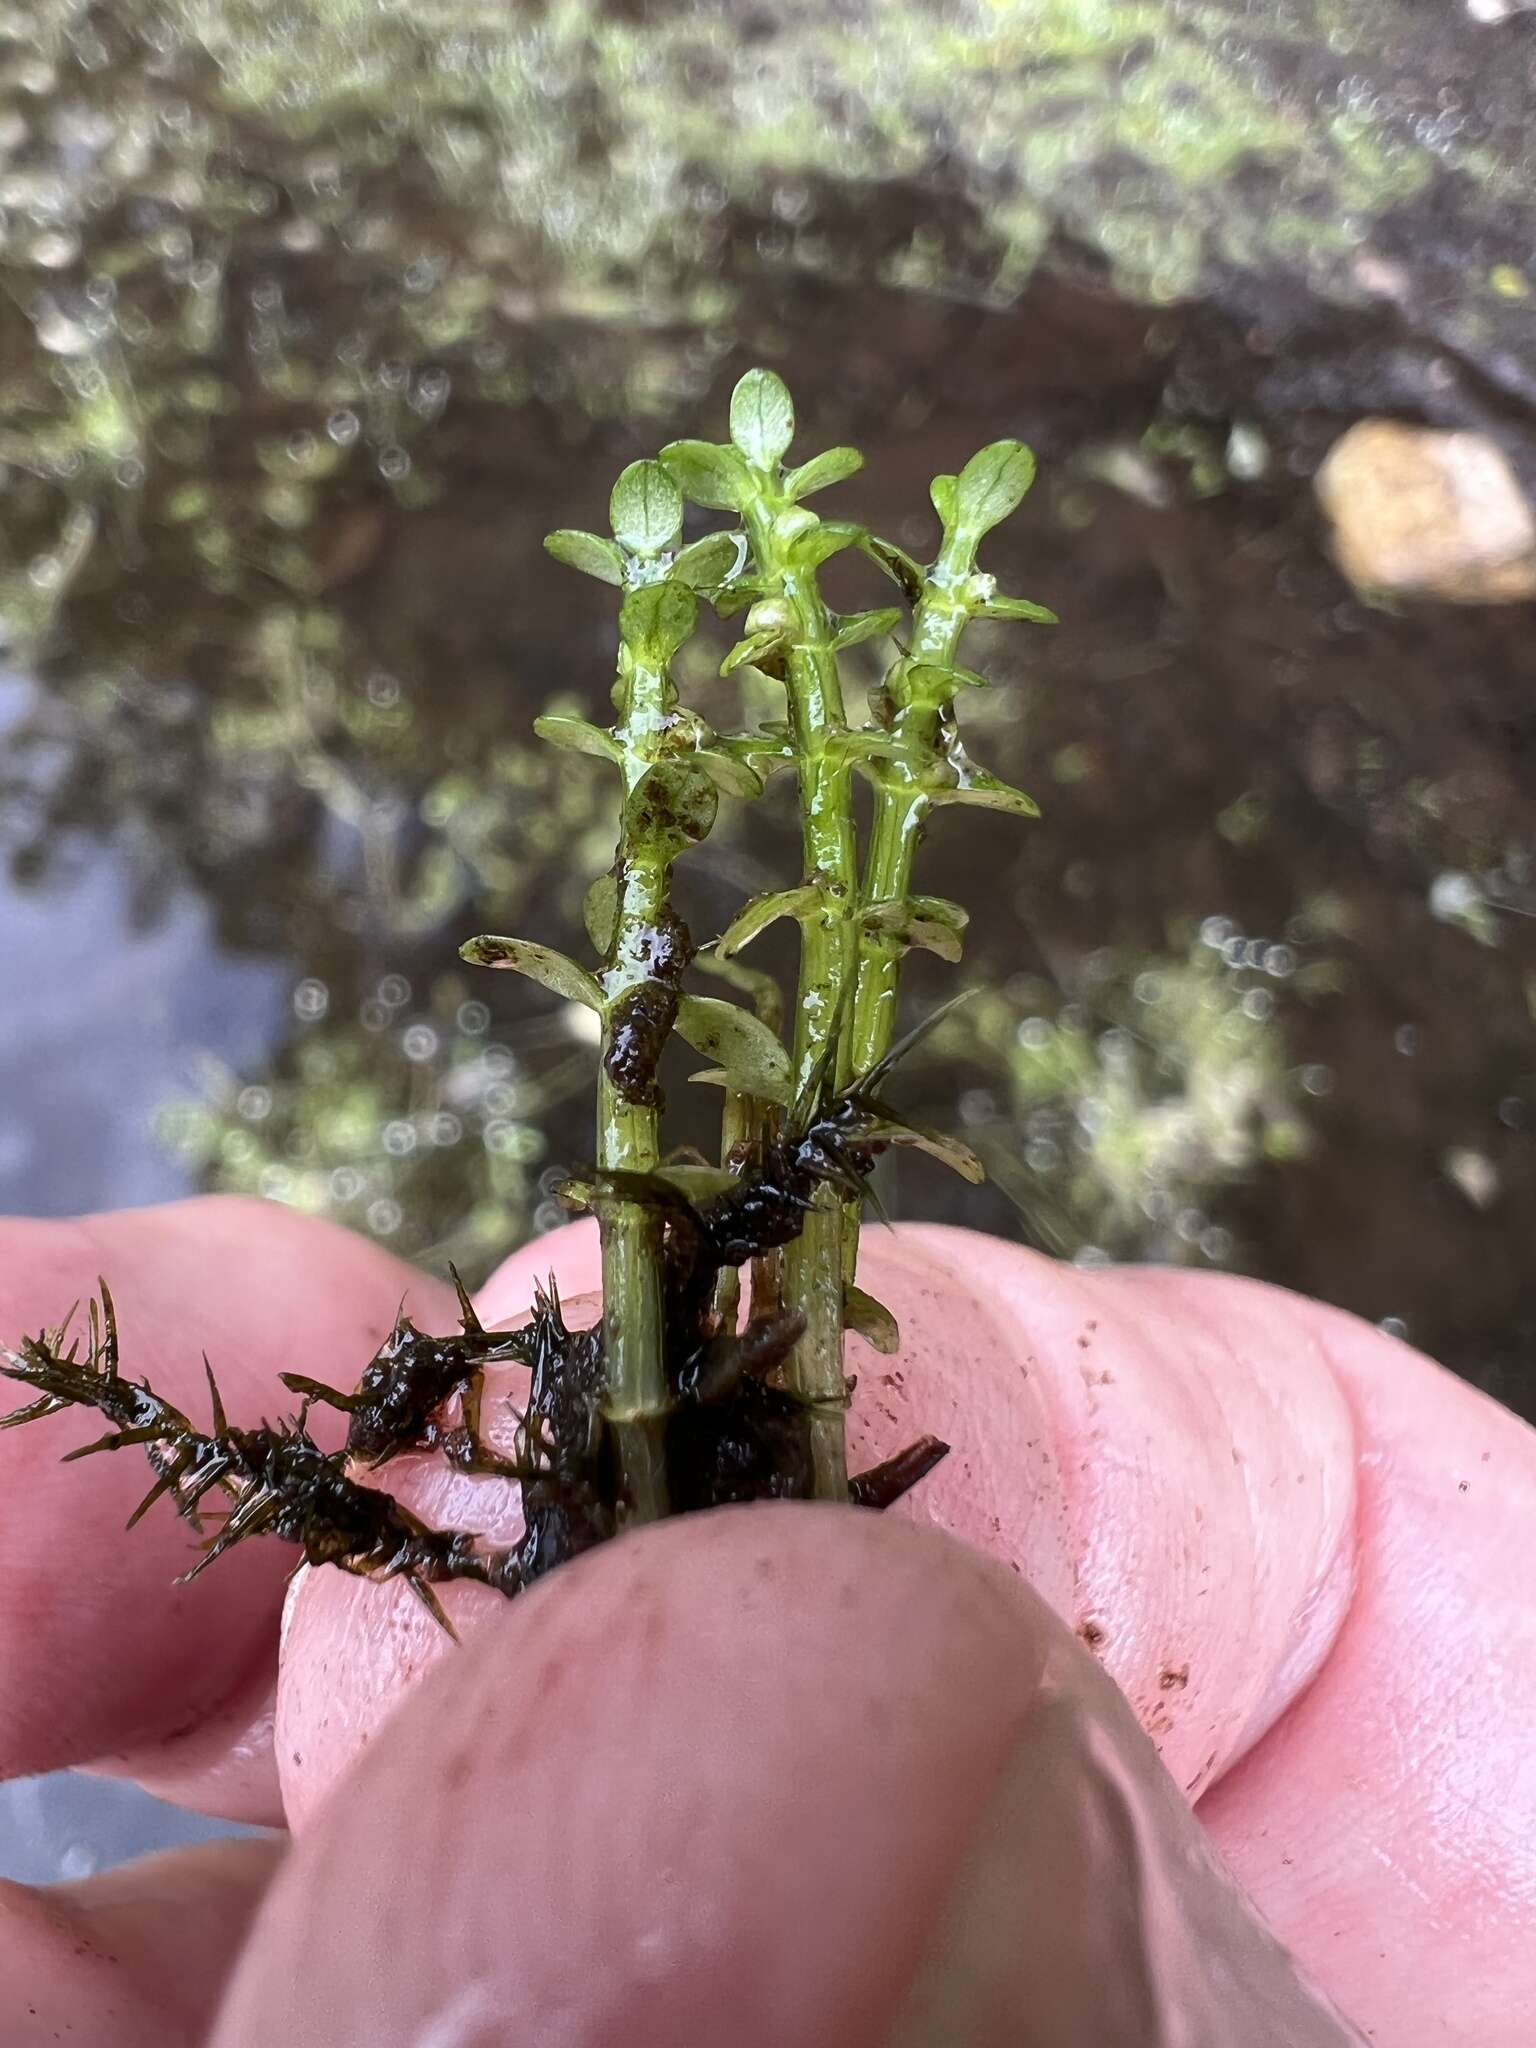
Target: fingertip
(721, 1765)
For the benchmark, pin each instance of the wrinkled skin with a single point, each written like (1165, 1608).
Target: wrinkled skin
(1289, 1547)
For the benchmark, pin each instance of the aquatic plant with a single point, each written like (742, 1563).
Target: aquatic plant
(693, 1390)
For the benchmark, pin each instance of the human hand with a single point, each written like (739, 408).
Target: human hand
(735, 1777)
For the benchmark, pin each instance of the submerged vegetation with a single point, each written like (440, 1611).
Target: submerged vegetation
(693, 1390)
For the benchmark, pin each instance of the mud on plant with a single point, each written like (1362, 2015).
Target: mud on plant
(694, 1390)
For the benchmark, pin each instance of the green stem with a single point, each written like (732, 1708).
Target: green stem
(902, 805)
(813, 1265)
(633, 1308)
(628, 1136)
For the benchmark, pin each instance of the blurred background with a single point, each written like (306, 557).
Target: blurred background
(316, 316)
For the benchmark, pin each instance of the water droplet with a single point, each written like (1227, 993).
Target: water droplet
(1393, 1326)
(383, 689)
(343, 427)
(473, 1018)
(1406, 1039)
(418, 1042)
(394, 463)
(1215, 932)
(399, 1138)
(254, 1103)
(395, 990)
(384, 1216)
(445, 1128)
(77, 1860)
(1317, 1079)
(346, 1183)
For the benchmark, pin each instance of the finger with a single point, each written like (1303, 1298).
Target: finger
(1174, 1463)
(776, 1775)
(350, 1647)
(101, 1650)
(1393, 1810)
(136, 1958)
(1145, 1488)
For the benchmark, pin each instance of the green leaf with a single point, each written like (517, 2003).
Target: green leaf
(992, 484)
(658, 618)
(927, 683)
(753, 1059)
(729, 773)
(897, 564)
(1017, 608)
(600, 912)
(736, 595)
(672, 806)
(588, 552)
(942, 492)
(695, 1183)
(976, 786)
(871, 1320)
(551, 970)
(646, 509)
(833, 466)
(763, 911)
(766, 997)
(707, 474)
(857, 626)
(928, 921)
(704, 563)
(939, 910)
(951, 1152)
(828, 537)
(578, 736)
(762, 418)
(746, 652)
(762, 751)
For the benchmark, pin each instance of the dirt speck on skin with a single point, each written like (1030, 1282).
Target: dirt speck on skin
(1173, 1677)
(1094, 1634)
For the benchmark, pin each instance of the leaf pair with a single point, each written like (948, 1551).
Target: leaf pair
(646, 514)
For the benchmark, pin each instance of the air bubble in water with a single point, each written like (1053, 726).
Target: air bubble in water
(311, 999)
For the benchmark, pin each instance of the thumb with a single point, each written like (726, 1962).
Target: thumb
(775, 1775)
